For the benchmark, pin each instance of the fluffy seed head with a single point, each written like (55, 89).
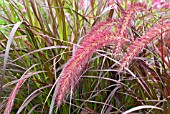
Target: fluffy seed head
(72, 70)
(140, 43)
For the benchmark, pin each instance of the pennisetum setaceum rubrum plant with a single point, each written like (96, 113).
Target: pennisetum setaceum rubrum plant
(121, 36)
(99, 37)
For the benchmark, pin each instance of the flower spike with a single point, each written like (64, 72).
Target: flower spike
(141, 43)
(128, 16)
(72, 70)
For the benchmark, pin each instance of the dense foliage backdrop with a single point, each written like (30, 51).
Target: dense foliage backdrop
(84, 56)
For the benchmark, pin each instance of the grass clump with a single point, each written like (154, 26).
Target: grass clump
(84, 57)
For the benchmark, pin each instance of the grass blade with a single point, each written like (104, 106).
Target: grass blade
(11, 36)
